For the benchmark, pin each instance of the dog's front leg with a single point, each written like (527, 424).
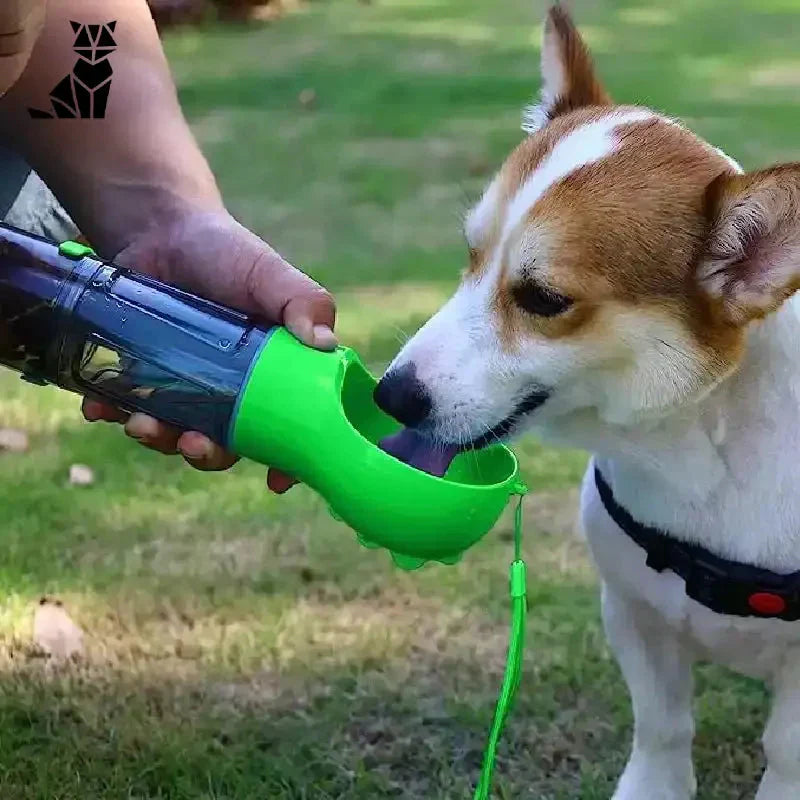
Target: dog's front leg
(781, 781)
(658, 671)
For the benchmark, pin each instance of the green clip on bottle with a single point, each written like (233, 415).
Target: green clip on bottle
(97, 329)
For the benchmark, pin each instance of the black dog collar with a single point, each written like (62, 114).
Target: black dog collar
(727, 587)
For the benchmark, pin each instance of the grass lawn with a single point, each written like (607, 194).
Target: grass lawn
(243, 646)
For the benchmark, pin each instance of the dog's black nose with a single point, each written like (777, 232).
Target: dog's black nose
(401, 395)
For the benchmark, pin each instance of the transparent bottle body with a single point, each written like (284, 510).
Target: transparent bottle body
(107, 332)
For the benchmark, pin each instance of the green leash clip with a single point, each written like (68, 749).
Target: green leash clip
(516, 647)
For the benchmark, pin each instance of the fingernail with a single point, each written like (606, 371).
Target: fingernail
(92, 411)
(139, 427)
(324, 337)
(197, 449)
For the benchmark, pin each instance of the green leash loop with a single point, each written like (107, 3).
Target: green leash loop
(516, 646)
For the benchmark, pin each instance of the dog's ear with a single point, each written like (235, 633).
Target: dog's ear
(568, 76)
(751, 262)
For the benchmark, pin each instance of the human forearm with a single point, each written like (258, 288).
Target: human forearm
(138, 187)
(139, 165)
(20, 23)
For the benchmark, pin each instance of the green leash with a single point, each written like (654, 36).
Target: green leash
(516, 646)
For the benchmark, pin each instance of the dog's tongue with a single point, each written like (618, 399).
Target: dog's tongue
(418, 452)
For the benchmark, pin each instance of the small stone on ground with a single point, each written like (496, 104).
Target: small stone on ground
(13, 441)
(55, 632)
(81, 475)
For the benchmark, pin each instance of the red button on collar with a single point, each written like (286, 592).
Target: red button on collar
(767, 603)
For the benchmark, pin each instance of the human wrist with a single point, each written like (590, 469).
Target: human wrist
(131, 212)
(173, 243)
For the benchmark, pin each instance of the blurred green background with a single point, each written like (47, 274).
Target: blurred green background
(243, 646)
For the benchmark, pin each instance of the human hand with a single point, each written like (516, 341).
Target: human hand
(212, 255)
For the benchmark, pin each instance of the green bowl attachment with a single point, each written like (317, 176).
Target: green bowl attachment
(311, 414)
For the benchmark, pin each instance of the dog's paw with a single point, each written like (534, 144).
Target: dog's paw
(648, 791)
(657, 779)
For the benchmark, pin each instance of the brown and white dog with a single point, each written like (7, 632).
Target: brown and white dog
(628, 292)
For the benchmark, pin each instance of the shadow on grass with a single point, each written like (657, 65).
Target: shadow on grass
(244, 647)
(670, 61)
(350, 725)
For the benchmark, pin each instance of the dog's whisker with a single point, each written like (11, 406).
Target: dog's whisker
(400, 334)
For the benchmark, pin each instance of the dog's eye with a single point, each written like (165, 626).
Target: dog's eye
(536, 299)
